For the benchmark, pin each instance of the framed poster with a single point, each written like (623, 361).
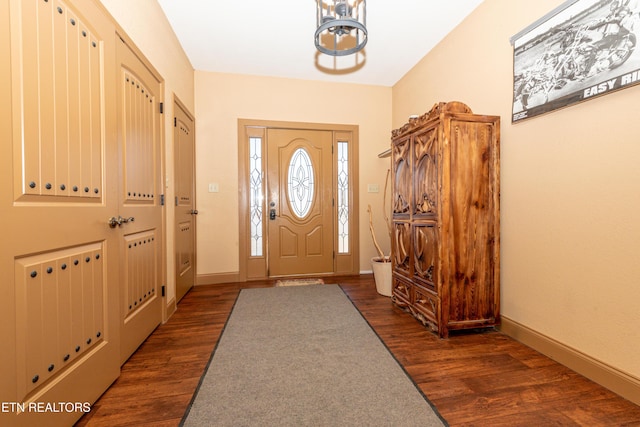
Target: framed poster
(581, 50)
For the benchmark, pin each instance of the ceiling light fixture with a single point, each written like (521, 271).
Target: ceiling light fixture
(341, 26)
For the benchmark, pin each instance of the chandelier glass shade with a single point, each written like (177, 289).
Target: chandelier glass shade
(341, 26)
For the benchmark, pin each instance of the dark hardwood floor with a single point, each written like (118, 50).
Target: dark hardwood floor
(480, 379)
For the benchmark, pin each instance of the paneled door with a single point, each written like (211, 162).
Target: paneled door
(299, 202)
(139, 223)
(185, 212)
(59, 266)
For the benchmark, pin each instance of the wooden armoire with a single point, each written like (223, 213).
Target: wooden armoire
(446, 218)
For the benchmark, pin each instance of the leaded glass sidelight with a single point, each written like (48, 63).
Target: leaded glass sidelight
(300, 183)
(343, 197)
(255, 195)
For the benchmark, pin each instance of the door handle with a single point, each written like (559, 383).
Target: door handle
(193, 211)
(118, 221)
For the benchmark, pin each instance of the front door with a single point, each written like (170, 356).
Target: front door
(185, 212)
(299, 202)
(140, 212)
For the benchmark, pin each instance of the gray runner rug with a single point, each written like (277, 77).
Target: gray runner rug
(304, 356)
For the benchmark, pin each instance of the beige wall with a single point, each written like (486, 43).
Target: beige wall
(145, 24)
(222, 99)
(570, 197)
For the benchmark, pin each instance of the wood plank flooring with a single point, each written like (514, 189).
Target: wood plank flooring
(483, 379)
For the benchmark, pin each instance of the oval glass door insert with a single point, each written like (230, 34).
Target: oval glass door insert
(300, 183)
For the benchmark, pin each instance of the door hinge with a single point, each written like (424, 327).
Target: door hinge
(162, 108)
(162, 290)
(175, 122)
(162, 200)
(176, 200)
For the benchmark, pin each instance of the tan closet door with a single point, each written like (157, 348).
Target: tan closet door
(185, 211)
(58, 257)
(299, 205)
(140, 229)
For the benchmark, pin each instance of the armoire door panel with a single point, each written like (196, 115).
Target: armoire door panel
(401, 178)
(401, 248)
(402, 291)
(426, 305)
(425, 254)
(426, 173)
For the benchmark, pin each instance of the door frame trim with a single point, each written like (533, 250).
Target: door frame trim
(344, 264)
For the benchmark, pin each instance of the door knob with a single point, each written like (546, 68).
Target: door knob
(193, 211)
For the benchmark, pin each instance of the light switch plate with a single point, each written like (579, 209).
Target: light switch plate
(213, 187)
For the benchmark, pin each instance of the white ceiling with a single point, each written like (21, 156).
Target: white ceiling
(276, 37)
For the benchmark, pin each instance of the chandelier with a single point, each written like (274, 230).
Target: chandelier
(341, 26)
